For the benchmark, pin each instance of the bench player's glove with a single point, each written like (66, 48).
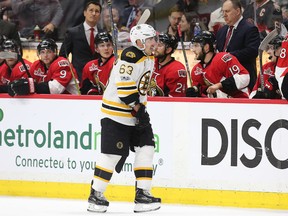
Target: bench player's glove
(270, 90)
(21, 87)
(142, 117)
(193, 91)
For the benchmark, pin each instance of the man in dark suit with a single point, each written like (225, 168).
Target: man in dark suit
(79, 40)
(244, 38)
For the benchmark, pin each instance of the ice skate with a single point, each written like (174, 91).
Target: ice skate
(97, 202)
(144, 201)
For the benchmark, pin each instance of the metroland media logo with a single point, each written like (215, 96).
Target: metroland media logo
(50, 137)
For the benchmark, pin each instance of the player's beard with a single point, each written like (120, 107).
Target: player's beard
(200, 56)
(161, 57)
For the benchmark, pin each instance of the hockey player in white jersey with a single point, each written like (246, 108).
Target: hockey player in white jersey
(125, 123)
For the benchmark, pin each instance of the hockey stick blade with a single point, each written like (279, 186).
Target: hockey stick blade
(144, 17)
(267, 39)
(283, 31)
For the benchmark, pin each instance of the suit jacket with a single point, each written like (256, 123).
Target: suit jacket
(9, 30)
(127, 10)
(75, 42)
(243, 44)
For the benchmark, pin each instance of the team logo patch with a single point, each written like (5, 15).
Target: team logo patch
(268, 71)
(125, 78)
(182, 73)
(94, 67)
(63, 63)
(22, 68)
(154, 89)
(198, 71)
(131, 54)
(227, 57)
(39, 72)
(119, 145)
(144, 83)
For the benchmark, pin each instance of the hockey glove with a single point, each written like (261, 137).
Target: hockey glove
(21, 87)
(270, 90)
(193, 91)
(93, 91)
(86, 86)
(142, 118)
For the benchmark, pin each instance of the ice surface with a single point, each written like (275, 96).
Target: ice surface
(22, 206)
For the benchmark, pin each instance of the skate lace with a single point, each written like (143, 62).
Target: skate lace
(100, 195)
(147, 193)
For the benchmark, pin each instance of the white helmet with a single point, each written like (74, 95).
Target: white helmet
(141, 32)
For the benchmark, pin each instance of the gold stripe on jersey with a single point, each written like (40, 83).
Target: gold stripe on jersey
(115, 113)
(116, 109)
(124, 84)
(104, 169)
(125, 92)
(116, 104)
(125, 89)
(143, 168)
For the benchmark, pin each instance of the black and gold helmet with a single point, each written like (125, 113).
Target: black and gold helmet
(103, 37)
(49, 44)
(168, 40)
(206, 37)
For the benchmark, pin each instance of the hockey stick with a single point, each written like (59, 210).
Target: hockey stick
(24, 65)
(144, 17)
(262, 47)
(113, 29)
(189, 79)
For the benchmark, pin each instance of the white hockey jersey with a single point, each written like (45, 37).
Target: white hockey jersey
(128, 84)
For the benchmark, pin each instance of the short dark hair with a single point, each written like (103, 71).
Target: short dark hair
(175, 8)
(92, 2)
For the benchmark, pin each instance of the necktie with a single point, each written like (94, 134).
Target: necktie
(132, 17)
(228, 37)
(92, 46)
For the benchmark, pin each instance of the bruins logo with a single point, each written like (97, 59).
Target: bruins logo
(144, 83)
(119, 145)
(131, 54)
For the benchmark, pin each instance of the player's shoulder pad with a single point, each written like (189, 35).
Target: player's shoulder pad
(131, 54)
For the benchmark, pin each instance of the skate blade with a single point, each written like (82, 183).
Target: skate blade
(96, 208)
(140, 207)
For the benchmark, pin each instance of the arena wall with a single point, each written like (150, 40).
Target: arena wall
(224, 152)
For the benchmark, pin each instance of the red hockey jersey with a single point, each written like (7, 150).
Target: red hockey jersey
(98, 72)
(281, 70)
(58, 75)
(268, 70)
(222, 66)
(168, 80)
(18, 72)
